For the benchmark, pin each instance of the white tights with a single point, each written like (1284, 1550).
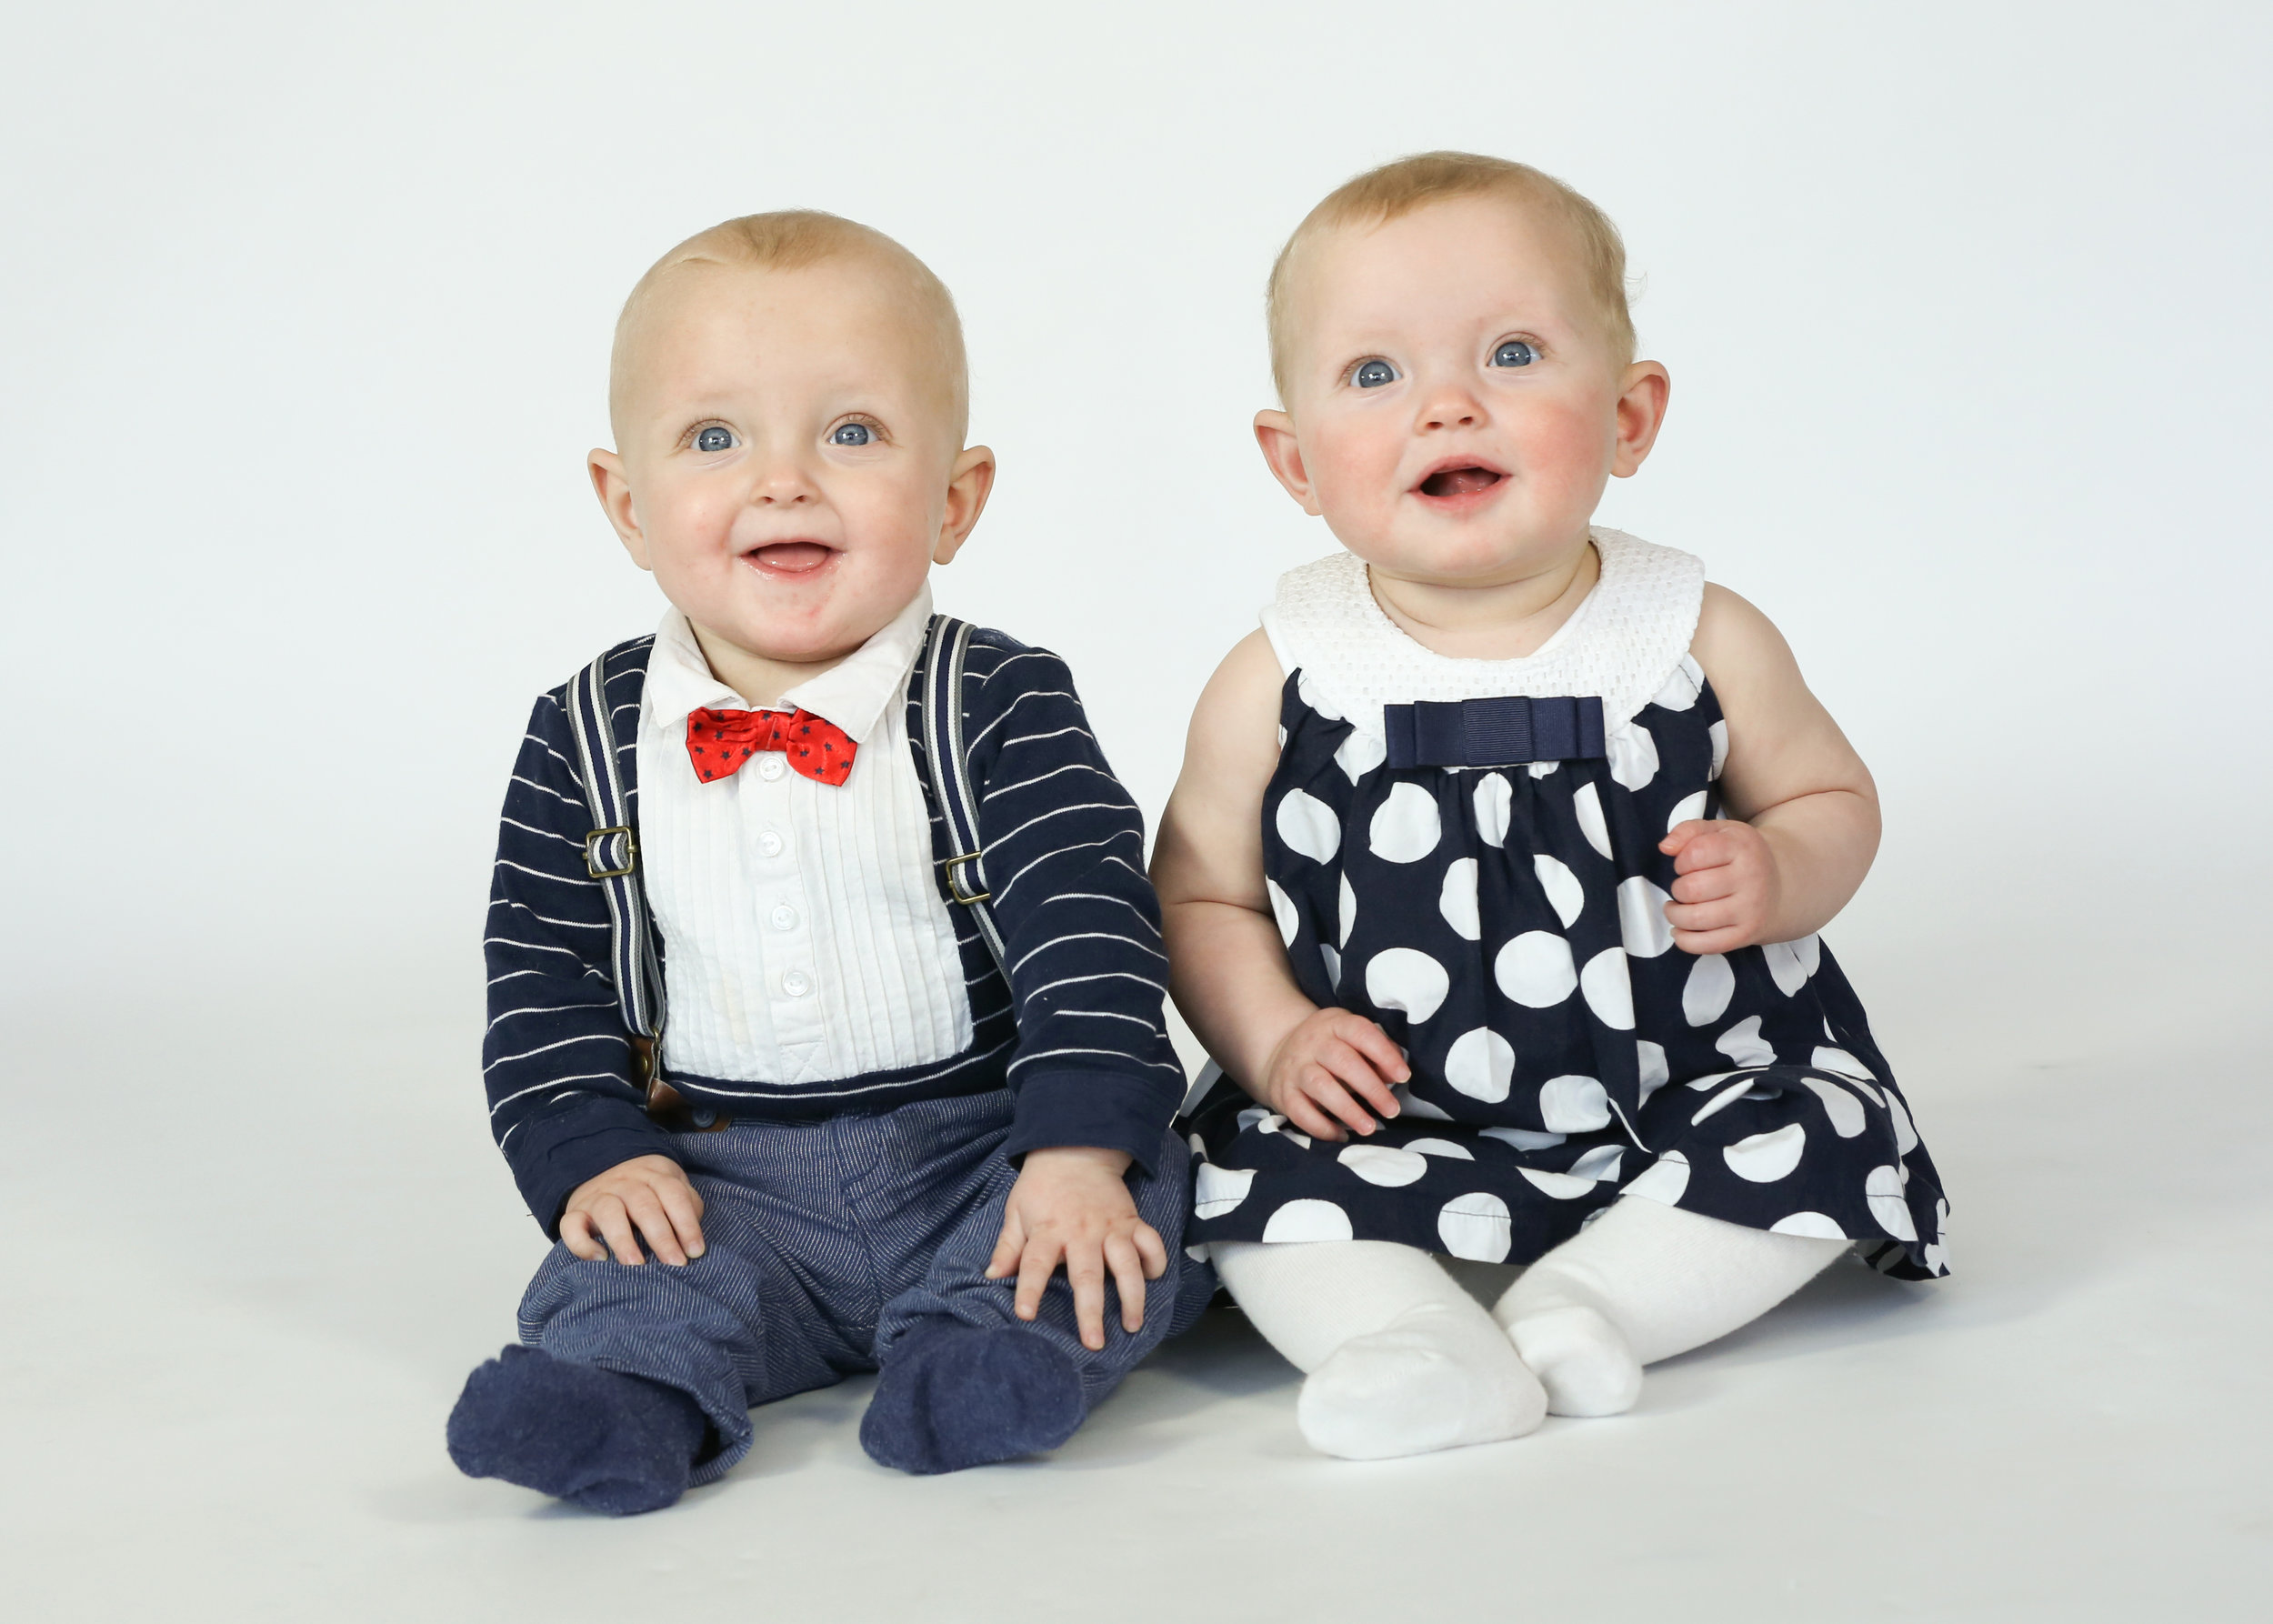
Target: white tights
(1400, 1360)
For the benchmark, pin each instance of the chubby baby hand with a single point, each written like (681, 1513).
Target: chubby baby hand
(1326, 1067)
(1728, 888)
(649, 1193)
(1072, 1205)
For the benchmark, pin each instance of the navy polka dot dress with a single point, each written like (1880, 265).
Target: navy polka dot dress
(1504, 925)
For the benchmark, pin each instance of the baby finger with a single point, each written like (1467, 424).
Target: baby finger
(1128, 1279)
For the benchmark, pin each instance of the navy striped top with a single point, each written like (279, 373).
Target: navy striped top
(1077, 1034)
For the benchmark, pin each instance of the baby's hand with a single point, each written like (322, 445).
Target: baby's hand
(1326, 1064)
(649, 1191)
(1729, 886)
(1072, 1205)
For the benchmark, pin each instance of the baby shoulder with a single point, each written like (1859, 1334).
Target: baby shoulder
(1742, 653)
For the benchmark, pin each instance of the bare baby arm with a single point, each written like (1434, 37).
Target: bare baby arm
(1327, 1070)
(1803, 810)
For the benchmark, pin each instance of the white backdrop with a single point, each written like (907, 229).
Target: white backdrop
(304, 319)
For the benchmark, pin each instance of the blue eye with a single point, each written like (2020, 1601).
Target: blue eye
(1514, 353)
(713, 438)
(851, 433)
(1372, 375)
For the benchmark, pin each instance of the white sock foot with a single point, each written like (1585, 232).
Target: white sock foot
(1580, 1359)
(1426, 1382)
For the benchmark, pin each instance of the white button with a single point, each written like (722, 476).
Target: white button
(769, 842)
(797, 984)
(772, 764)
(783, 918)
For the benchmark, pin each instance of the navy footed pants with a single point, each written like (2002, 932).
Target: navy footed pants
(826, 1241)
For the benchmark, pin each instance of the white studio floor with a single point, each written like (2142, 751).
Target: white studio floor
(231, 1340)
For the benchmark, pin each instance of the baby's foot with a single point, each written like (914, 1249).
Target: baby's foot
(1431, 1380)
(953, 1394)
(1580, 1358)
(609, 1442)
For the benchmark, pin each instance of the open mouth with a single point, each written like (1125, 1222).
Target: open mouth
(1460, 479)
(790, 557)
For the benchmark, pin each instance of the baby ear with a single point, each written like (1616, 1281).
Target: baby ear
(968, 483)
(612, 486)
(1275, 433)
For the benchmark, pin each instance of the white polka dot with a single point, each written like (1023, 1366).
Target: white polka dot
(1494, 797)
(1307, 826)
(1767, 1156)
(1360, 754)
(1845, 1111)
(1840, 1063)
(1480, 1064)
(1404, 827)
(1418, 1109)
(1254, 1115)
(1741, 1043)
(1198, 1145)
(1198, 1254)
(1588, 804)
(1541, 770)
(1883, 1191)
(1524, 1138)
(1307, 1220)
(1535, 970)
(1601, 1162)
(1573, 1105)
(1217, 1190)
(1475, 1227)
(1719, 730)
(1564, 895)
(1308, 693)
(1283, 910)
(1271, 1123)
(1905, 1134)
(1810, 950)
(1348, 921)
(1683, 687)
(1444, 1147)
(1814, 1225)
(1633, 753)
(1642, 917)
(1333, 966)
(1561, 1185)
(1651, 1057)
(1456, 900)
(1406, 978)
(1702, 1083)
(1381, 1165)
(1706, 992)
(1664, 1179)
(1688, 809)
(1609, 990)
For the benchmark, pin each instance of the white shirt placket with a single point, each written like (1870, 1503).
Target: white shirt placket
(792, 986)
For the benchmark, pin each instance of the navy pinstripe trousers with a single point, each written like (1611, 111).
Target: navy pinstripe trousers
(828, 1240)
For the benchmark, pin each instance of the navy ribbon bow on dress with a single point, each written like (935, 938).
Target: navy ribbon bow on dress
(1498, 732)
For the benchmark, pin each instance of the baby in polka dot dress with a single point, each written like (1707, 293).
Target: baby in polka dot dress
(1493, 876)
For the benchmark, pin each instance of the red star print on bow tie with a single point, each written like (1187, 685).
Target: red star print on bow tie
(719, 741)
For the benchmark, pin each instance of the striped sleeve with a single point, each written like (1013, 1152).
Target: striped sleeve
(1064, 856)
(555, 1058)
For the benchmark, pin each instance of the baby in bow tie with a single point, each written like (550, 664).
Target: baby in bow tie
(853, 1142)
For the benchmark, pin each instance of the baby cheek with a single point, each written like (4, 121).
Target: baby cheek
(1353, 471)
(1567, 448)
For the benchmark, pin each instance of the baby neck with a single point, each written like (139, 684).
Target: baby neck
(1505, 619)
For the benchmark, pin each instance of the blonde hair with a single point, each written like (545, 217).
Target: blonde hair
(790, 240)
(1399, 188)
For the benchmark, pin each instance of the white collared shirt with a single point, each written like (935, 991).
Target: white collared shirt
(804, 937)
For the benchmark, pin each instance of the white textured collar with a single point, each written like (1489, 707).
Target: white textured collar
(854, 694)
(1622, 643)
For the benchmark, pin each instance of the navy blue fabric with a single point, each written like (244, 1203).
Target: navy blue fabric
(1078, 1033)
(1502, 731)
(957, 1396)
(1507, 928)
(610, 1443)
(827, 1242)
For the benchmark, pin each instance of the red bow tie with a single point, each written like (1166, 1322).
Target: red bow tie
(719, 741)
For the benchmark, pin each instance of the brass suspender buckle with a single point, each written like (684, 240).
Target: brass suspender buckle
(592, 855)
(955, 878)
